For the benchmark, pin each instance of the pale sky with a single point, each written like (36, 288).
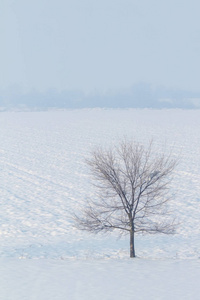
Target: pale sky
(99, 45)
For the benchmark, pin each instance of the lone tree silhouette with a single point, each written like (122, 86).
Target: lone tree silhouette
(132, 192)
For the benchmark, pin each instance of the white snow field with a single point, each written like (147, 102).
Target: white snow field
(43, 176)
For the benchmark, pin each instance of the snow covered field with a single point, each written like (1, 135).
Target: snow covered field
(43, 177)
(99, 280)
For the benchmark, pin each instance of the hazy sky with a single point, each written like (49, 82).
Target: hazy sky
(99, 44)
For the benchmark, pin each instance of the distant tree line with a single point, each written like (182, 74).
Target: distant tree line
(138, 96)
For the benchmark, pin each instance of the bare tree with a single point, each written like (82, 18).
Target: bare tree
(132, 184)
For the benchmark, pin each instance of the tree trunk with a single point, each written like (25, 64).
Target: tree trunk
(132, 243)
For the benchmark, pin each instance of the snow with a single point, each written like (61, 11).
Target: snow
(99, 279)
(44, 177)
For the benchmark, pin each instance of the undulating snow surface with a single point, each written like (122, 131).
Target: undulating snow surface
(43, 176)
(99, 279)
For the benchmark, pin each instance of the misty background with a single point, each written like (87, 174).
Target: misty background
(108, 53)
